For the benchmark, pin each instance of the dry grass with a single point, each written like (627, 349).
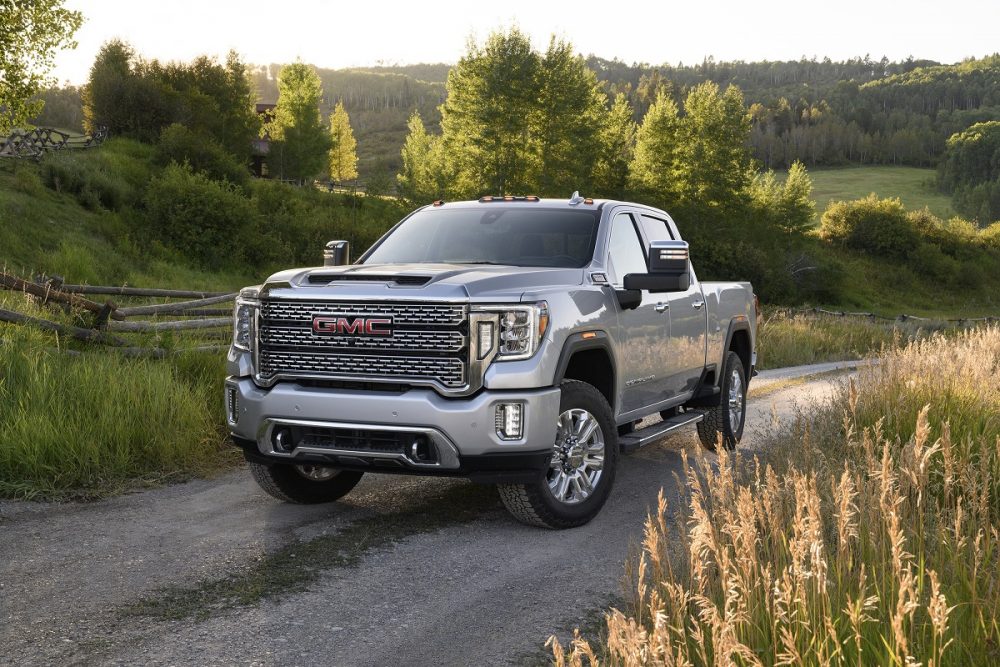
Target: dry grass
(869, 535)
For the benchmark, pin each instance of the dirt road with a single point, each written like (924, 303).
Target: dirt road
(404, 571)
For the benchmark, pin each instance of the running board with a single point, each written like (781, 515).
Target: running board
(633, 441)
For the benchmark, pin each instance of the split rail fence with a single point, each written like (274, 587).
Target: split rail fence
(205, 316)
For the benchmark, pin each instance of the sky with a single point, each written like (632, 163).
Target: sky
(364, 33)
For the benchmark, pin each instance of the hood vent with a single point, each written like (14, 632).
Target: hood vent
(329, 278)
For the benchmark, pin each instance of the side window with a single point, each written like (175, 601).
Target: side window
(656, 229)
(625, 250)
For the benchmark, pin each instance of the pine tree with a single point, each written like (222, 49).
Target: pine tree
(343, 149)
(299, 142)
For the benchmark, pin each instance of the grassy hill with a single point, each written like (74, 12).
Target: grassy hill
(913, 185)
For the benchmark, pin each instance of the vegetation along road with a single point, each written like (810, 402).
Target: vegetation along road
(212, 572)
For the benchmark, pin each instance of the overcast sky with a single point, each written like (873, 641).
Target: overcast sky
(360, 32)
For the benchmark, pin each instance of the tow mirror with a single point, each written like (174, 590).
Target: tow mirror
(337, 253)
(668, 269)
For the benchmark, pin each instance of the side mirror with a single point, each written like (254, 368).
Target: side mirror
(668, 269)
(629, 299)
(337, 253)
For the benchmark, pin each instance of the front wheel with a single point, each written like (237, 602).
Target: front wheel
(305, 484)
(724, 423)
(582, 469)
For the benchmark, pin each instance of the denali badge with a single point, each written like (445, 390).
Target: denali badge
(332, 325)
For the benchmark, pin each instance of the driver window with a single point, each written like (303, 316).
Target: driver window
(625, 252)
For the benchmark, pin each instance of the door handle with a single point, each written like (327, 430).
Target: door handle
(698, 304)
(661, 307)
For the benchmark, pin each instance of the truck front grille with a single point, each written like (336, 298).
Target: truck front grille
(429, 343)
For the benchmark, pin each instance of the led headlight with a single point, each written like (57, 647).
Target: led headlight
(521, 329)
(243, 317)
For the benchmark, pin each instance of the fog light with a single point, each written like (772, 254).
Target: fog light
(509, 424)
(233, 405)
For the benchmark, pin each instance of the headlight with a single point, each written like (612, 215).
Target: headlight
(243, 317)
(522, 328)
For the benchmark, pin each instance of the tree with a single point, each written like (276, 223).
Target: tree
(420, 179)
(654, 165)
(617, 148)
(299, 142)
(486, 118)
(713, 152)
(343, 153)
(567, 122)
(31, 32)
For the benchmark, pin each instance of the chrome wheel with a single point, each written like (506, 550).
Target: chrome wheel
(736, 401)
(577, 457)
(317, 473)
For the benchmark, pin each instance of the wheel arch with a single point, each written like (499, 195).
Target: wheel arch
(589, 357)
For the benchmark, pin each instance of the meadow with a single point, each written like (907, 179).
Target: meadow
(867, 533)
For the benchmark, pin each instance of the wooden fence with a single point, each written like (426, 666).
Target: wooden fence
(33, 144)
(202, 314)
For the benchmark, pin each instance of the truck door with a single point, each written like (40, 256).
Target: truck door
(643, 331)
(688, 319)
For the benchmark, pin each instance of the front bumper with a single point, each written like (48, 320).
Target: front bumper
(463, 431)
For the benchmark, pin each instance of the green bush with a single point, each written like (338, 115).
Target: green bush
(204, 154)
(876, 226)
(204, 219)
(991, 236)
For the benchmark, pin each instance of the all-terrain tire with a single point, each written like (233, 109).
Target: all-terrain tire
(535, 504)
(284, 482)
(717, 426)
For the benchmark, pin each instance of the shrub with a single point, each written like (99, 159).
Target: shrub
(991, 235)
(206, 220)
(93, 184)
(204, 154)
(876, 226)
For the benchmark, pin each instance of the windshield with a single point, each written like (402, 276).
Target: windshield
(512, 235)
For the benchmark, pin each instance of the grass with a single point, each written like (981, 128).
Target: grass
(913, 185)
(869, 535)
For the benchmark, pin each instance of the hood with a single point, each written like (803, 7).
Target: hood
(419, 282)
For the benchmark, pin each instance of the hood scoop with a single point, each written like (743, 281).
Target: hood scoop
(401, 280)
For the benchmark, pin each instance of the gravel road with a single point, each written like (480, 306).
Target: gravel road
(403, 571)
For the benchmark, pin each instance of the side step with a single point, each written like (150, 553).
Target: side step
(633, 441)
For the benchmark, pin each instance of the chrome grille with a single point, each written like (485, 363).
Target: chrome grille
(448, 371)
(401, 313)
(449, 340)
(429, 343)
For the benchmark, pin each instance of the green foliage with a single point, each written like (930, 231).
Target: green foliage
(343, 147)
(299, 142)
(204, 219)
(486, 118)
(421, 176)
(876, 226)
(204, 154)
(789, 204)
(567, 121)
(970, 171)
(135, 98)
(96, 186)
(617, 148)
(655, 164)
(31, 32)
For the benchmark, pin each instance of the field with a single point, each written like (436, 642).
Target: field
(914, 186)
(868, 534)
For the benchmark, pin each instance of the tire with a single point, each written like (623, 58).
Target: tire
(576, 462)
(304, 484)
(722, 422)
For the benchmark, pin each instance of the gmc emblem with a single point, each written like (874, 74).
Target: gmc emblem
(332, 325)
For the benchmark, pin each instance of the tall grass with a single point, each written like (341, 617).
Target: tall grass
(93, 422)
(870, 534)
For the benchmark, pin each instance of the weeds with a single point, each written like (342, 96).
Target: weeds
(869, 535)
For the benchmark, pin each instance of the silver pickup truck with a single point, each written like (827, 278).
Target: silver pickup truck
(511, 340)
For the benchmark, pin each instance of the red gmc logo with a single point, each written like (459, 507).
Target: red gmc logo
(332, 325)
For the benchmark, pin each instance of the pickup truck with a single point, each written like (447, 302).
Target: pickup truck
(516, 341)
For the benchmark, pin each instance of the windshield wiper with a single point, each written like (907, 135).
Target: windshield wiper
(474, 261)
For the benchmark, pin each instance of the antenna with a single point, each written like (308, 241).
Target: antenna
(575, 198)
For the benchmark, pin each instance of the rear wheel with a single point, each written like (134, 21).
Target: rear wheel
(582, 469)
(725, 422)
(305, 484)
